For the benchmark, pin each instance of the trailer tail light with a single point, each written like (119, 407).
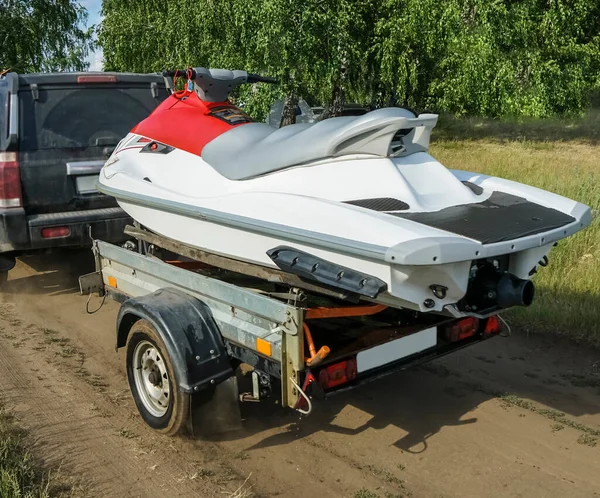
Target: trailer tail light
(493, 326)
(10, 181)
(55, 232)
(338, 374)
(97, 78)
(467, 327)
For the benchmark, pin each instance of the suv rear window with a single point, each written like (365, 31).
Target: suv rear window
(82, 117)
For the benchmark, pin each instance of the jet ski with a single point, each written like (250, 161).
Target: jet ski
(350, 203)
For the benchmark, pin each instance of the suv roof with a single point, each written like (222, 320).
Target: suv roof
(74, 77)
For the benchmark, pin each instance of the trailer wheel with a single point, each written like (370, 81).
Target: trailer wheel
(152, 381)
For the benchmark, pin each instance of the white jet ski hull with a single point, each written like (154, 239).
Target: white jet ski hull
(310, 209)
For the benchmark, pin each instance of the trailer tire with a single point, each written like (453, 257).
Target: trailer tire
(3, 277)
(153, 383)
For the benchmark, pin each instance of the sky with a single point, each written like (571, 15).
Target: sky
(93, 6)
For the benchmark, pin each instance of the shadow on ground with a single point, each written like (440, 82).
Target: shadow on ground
(54, 273)
(420, 401)
(557, 380)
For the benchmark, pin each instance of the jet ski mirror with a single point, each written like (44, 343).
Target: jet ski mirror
(215, 85)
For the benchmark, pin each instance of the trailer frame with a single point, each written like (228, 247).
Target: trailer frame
(264, 328)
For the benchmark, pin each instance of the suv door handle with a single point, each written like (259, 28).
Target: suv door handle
(76, 168)
(108, 151)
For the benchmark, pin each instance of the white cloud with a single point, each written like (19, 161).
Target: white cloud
(96, 60)
(93, 7)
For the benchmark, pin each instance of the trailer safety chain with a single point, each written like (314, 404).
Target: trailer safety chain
(509, 331)
(87, 306)
(303, 394)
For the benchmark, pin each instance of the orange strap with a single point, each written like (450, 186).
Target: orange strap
(317, 357)
(313, 313)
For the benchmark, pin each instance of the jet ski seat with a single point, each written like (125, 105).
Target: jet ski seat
(256, 149)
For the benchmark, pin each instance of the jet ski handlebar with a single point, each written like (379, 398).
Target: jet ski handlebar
(257, 78)
(250, 77)
(215, 85)
(179, 72)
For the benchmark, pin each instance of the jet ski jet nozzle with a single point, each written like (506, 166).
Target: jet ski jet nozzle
(490, 289)
(514, 291)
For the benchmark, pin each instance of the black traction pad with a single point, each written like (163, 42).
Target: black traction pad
(500, 218)
(380, 204)
(311, 268)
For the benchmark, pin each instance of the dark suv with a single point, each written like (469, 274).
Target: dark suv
(56, 131)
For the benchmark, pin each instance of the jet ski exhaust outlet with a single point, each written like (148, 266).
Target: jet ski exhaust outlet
(514, 291)
(490, 289)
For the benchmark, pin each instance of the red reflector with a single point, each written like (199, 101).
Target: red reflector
(97, 78)
(55, 232)
(462, 329)
(337, 374)
(10, 181)
(493, 326)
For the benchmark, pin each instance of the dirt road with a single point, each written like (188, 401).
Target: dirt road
(511, 417)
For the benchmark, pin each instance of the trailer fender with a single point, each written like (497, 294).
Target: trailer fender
(189, 331)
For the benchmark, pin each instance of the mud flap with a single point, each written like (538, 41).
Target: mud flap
(216, 411)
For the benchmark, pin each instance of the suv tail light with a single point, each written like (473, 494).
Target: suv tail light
(10, 181)
(97, 78)
(55, 232)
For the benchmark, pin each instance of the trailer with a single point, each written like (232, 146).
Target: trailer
(191, 320)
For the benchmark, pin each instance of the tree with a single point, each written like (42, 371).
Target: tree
(43, 35)
(477, 57)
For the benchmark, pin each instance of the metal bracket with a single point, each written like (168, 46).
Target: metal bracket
(35, 93)
(90, 283)
(169, 83)
(154, 89)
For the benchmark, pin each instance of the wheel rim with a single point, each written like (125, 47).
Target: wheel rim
(151, 378)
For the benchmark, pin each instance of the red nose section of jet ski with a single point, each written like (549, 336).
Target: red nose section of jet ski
(189, 124)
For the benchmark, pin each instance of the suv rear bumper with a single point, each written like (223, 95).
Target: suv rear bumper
(21, 233)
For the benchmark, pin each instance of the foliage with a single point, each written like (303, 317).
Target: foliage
(19, 477)
(476, 57)
(43, 35)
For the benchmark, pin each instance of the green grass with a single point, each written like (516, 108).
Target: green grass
(559, 129)
(556, 155)
(20, 477)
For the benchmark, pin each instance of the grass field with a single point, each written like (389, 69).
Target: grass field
(561, 156)
(20, 477)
